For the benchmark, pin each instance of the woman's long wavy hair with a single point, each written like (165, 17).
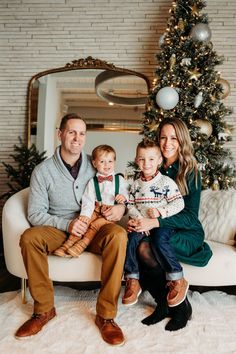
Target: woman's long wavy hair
(187, 161)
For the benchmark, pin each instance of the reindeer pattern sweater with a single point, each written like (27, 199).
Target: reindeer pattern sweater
(161, 193)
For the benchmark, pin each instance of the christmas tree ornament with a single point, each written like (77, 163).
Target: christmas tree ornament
(201, 33)
(167, 97)
(172, 61)
(215, 186)
(194, 74)
(223, 136)
(153, 126)
(201, 166)
(204, 125)
(198, 99)
(195, 10)
(185, 61)
(161, 40)
(225, 86)
(181, 24)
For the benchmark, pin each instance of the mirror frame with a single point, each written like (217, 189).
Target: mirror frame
(78, 64)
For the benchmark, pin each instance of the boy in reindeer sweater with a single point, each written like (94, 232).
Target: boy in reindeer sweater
(153, 195)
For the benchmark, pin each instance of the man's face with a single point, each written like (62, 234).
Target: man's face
(72, 137)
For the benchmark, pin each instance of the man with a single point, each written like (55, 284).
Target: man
(56, 189)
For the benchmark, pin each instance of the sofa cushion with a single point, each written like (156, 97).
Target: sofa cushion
(218, 215)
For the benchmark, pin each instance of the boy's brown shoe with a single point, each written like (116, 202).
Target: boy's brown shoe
(62, 250)
(178, 291)
(110, 331)
(35, 324)
(132, 292)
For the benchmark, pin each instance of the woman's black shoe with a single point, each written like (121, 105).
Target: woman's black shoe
(179, 316)
(158, 315)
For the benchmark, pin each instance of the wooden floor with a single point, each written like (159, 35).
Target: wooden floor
(9, 282)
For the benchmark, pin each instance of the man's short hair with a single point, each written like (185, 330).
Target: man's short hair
(67, 117)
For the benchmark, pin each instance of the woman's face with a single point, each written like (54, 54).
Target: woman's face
(169, 143)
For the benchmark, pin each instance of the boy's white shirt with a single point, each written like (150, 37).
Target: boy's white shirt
(107, 190)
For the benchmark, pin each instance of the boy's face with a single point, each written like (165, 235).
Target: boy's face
(105, 163)
(148, 160)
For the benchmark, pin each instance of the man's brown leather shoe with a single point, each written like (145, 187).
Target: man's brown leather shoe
(35, 324)
(110, 331)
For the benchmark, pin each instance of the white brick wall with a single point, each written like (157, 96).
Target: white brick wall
(36, 35)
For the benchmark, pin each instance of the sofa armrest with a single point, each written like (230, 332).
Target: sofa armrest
(14, 223)
(217, 214)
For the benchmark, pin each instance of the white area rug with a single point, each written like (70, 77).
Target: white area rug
(211, 330)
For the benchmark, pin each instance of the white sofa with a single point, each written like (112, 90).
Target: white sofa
(218, 216)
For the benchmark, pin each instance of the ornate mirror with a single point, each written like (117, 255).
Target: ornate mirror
(110, 99)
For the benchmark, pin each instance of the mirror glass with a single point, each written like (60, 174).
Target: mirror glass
(110, 99)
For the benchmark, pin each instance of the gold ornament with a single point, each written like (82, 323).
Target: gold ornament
(153, 127)
(204, 125)
(215, 186)
(194, 74)
(195, 10)
(172, 61)
(181, 24)
(225, 86)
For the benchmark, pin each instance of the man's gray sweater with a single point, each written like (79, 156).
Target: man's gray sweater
(55, 196)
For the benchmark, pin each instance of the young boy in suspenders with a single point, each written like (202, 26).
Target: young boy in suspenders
(102, 191)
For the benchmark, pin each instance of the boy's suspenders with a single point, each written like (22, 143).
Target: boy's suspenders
(97, 189)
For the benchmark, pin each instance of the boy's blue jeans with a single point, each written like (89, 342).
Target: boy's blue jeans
(164, 253)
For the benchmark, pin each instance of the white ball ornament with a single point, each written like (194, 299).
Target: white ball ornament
(167, 98)
(201, 32)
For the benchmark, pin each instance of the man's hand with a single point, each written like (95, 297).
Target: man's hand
(77, 227)
(114, 213)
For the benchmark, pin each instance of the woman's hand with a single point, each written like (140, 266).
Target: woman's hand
(146, 224)
(131, 225)
(114, 213)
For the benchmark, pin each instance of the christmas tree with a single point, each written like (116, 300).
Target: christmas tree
(188, 86)
(25, 160)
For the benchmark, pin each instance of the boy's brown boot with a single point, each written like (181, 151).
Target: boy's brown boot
(62, 250)
(178, 291)
(132, 292)
(78, 248)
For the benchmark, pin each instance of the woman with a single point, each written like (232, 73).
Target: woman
(188, 237)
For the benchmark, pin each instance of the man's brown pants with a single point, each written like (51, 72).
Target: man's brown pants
(39, 241)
